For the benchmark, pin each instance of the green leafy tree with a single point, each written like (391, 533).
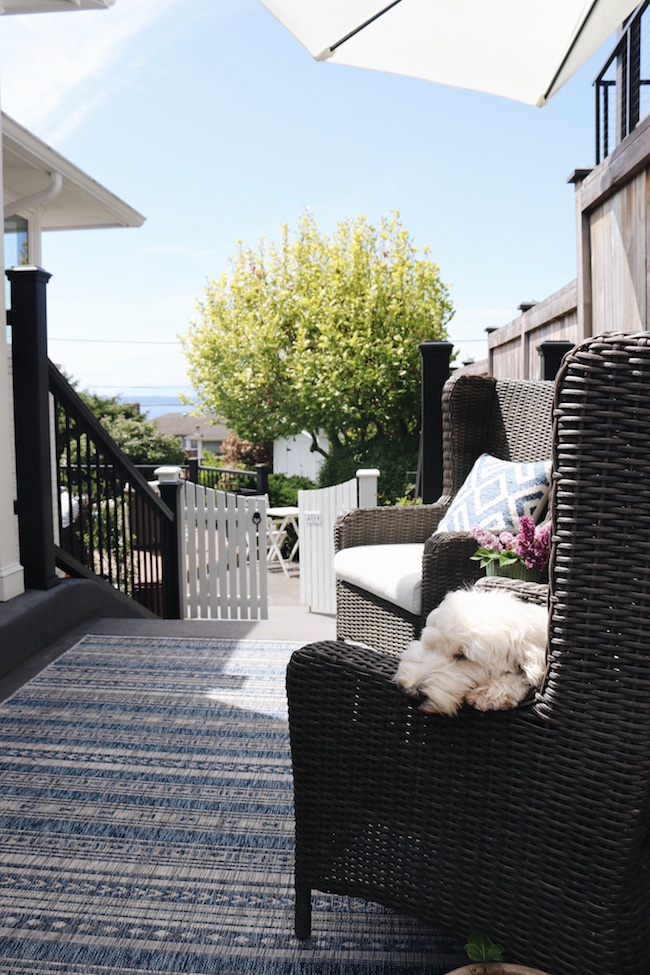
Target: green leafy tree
(239, 454)
(101, 406)
(320, 332)
(110, 406)
(141, 442)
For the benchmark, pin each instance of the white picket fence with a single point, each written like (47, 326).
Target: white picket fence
(318, 510)
(223, 555)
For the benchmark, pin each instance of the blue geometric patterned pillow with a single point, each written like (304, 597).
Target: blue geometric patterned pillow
(496, 493)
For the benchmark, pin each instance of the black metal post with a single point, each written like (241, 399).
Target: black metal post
(633, 77)
(262, 485)
(193, 466)
(170, 485)
(435, 373)
(28, 320)
(552, 353)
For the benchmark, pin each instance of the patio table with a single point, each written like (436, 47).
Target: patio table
(278, 522)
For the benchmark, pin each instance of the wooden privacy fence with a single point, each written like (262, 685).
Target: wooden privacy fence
(318, 510)
(223, 554)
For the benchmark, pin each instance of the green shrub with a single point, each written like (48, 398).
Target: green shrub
(283, 489)
(238, 454)
(396, 461)
(141, 442)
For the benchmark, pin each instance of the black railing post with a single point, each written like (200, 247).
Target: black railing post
(193, 470)
(28, 320)
(170, 482)
(262, 485)
(633, 111)
(552, 353)
(435, 373)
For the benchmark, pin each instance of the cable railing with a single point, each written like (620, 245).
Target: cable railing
(623, 85)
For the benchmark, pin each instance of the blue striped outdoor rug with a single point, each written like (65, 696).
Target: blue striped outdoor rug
(146, 823)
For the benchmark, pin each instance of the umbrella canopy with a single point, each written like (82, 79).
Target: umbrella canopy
(520, 49)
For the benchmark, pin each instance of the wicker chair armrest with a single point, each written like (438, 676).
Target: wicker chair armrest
(343, 702)
(348, 657)
(388, 525)
(531, 592)
(447, 565)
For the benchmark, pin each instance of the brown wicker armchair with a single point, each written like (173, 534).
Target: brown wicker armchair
(510, 419)
(531, 824)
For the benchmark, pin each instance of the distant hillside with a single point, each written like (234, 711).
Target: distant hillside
(155, 406)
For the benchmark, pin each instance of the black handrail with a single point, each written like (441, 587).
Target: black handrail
(232, 481)
(82, 506)
(228, 479)
(110, 522)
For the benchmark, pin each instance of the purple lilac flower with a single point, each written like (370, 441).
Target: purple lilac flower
(508, 540)
(526, 538)
(542, 546)
(533, 543)
(486, 538)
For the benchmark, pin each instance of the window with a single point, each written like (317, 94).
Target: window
(16, 248)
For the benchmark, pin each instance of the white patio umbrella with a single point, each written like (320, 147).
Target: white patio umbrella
(521, 49)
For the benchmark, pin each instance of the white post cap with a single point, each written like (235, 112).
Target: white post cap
(169, 475)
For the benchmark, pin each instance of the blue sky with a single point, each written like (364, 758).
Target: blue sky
(213, 122)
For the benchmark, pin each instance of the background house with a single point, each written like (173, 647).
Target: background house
(198, 433)
(293, 455)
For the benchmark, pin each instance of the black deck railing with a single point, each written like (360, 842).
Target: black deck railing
(82, 506)
(236, 482)
(109, 521)
(623, 85)
(220, 478)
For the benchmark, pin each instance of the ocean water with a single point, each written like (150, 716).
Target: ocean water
(155, 406)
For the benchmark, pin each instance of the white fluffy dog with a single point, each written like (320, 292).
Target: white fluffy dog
(482, 647)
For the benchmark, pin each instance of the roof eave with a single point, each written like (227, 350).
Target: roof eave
(8, 7)
(83, 202)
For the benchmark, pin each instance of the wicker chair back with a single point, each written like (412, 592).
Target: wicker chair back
(508, 418)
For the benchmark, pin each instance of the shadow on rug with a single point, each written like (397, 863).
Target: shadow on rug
(146, 823)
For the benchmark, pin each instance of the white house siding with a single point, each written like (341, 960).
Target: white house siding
(293, 456)
(11, 571)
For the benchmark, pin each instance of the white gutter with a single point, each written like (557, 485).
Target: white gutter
(29, 202)
(50, 6)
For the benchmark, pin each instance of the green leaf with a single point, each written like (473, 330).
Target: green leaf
(508, 558)
(481, 948)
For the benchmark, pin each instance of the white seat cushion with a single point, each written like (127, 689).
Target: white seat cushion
(392, 572)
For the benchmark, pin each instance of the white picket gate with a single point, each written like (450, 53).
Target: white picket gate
(318, 510)
(224, 555)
